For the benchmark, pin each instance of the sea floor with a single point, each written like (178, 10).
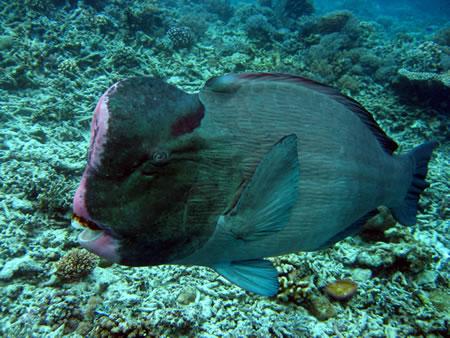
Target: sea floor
(54, 68)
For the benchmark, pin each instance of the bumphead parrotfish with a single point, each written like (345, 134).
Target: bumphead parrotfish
(254, 165)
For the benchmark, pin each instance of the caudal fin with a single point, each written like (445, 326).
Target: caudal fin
(406, 212)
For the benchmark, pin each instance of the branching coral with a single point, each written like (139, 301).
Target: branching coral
(174, 324)
(52, 193)
(297, 286)
(76, 264)
(144, 16)
(109, 327)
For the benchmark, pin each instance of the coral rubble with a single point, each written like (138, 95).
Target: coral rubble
(57, 57)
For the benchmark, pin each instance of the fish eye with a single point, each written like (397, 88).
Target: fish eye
(160, 158)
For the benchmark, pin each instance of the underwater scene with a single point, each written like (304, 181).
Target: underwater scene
(219, 168)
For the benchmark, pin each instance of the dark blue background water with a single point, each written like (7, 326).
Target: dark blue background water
(406, 15)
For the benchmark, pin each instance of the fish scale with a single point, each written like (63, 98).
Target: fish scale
(317, 150)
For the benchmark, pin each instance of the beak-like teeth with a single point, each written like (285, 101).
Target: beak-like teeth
(78, 221)
(89, 235)
(77, 225)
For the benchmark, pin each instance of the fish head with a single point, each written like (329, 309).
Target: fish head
(142, 163)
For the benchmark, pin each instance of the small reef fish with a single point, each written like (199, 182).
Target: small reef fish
(252, 166)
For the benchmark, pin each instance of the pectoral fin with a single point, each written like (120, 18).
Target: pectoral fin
(256, 275)
(266, 202)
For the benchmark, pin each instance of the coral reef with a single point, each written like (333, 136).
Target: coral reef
(297, 286)
(57, 57)
(424, 87)
(290, 8)
(146, 16)
(258, 26)
(120, 327)
(52, 196)
(443, 36)
(331, 23)
(76, 264)
(20, 267)
(222, 8)
(342, 290)
(181, 37)
(375, 228)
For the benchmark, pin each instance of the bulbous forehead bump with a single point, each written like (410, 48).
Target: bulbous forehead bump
(150, 104)
(135, 116)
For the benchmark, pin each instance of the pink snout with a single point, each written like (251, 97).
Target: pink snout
(79, 205)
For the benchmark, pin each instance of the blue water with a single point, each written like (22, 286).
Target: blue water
(408, 15)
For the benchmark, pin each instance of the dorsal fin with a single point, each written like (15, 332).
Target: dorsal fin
(385, 141)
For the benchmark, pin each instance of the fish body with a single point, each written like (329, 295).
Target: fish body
(255, 165)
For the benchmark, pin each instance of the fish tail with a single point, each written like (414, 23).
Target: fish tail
(406, 212)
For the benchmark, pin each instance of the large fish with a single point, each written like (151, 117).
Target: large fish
(255, 165)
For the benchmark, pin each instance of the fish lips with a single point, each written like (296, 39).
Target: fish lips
(96, 239)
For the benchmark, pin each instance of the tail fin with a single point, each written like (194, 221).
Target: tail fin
(406, 212)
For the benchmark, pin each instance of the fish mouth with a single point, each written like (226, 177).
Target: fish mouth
(91, 231)
(80, 222)
(96, 239)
